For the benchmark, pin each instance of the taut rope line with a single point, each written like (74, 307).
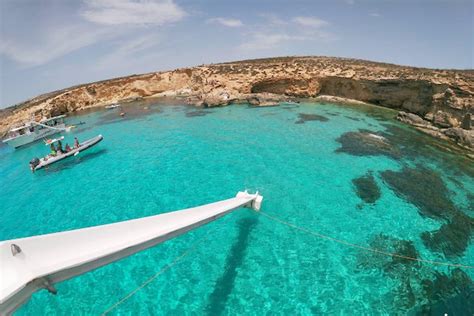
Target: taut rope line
(363, 247)
(278, 220)
(163, 270)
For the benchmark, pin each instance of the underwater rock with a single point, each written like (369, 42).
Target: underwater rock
(423, 188)
(352, 118)
(393, 266)
(366, 143)
(404, 295)
(413, 145)
(418, 290)
(452, 238)
(310, 117)
(366, 188)
(426, 190)
(443, 286)
(470, 201)
(197, 113)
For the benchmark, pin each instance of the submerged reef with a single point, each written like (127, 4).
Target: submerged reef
(352, 118)
(366, 188)
(413, 144)
(419, 289)
(452, 238)
(443, 289)
(423, 188)
(366, 143)
(197, 113)
(390, 265)
(310, 117)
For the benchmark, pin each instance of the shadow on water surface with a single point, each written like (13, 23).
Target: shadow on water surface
(71, 162)
(225, 284)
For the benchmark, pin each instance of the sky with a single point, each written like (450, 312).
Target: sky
(47, 45)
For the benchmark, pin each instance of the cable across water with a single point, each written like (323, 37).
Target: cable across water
(160, 272)
(369, 249)
(293, 226)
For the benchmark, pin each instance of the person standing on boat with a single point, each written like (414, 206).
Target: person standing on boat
(53, 150)
(68, 148)
(76, 142)
(59, 148)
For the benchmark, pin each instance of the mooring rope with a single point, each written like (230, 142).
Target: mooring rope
(160, 272)
(291, 225)
(369, 249)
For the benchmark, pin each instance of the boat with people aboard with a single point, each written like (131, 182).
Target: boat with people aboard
(58, 153)
(32, 131)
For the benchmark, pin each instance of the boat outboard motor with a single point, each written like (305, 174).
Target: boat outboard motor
(33, 163)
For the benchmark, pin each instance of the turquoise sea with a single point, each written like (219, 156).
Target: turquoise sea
(317, 167)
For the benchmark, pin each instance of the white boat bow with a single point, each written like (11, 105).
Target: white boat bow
(33, 263)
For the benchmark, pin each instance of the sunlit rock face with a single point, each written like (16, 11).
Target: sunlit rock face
(442, 97)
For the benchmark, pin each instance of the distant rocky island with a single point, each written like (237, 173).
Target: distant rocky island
(438, 102)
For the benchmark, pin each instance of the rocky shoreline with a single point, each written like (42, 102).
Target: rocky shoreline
(437, 102)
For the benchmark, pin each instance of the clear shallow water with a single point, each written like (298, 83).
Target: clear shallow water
(171, 157)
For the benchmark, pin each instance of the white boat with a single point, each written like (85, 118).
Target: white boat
(33, 131)
(112, 106)
(33, 263)
(36, 163)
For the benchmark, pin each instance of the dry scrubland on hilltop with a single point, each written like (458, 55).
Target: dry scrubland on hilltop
(440, 102)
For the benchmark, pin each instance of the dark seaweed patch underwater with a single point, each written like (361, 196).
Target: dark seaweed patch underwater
(366, 188)
(304, 117)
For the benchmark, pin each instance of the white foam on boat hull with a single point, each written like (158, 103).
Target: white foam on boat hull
(33, 263)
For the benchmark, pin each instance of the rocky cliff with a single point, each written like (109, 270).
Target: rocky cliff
(440, 102)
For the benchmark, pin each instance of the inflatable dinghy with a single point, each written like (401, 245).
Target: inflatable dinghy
(37, 164)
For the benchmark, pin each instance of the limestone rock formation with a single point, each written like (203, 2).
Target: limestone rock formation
(412, 119)
(461, 136)
(442, 97)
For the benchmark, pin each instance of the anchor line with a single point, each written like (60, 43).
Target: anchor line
(175, 261)
(194, 246)
(365, 248)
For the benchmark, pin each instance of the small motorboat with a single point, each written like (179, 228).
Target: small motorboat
(36, 163)
(112, 106)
